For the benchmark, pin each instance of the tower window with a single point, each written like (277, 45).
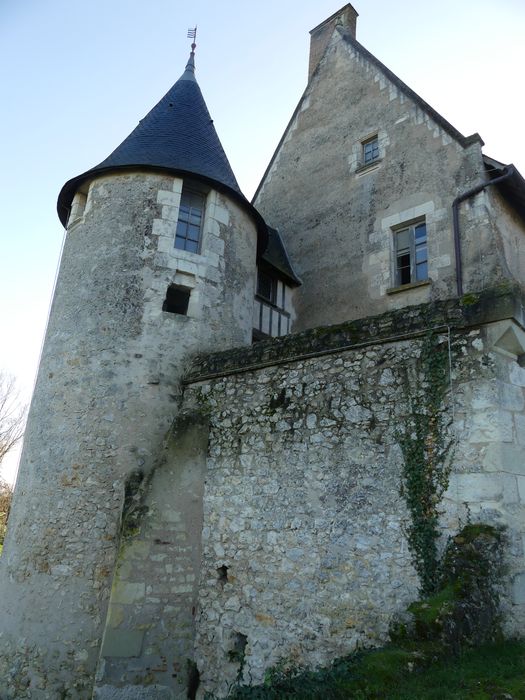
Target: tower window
(177, 300)
(189, 224)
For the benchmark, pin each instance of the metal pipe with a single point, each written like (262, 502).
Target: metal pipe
(509, 170)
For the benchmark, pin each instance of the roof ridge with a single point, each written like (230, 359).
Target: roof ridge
(401, 85)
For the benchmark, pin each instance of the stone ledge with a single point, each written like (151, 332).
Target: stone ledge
(505, 301)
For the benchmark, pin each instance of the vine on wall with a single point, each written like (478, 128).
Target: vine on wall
(426, 450)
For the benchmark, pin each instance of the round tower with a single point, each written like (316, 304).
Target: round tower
(158, 264)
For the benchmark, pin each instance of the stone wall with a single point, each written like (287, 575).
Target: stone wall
(107, 393)
(339, 217)
(304, 554)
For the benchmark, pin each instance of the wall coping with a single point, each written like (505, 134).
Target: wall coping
(502, 302)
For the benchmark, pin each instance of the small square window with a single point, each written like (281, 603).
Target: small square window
(411, 255)
(370, 150)
(177, 300)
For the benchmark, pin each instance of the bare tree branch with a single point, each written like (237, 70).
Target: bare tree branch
(6, 495)
(12, 414)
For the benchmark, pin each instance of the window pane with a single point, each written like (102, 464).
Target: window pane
(402, 240)
(421, 272)
(266, 286)
(193, 232)
(370, 150)
(182, 227)
(421, 254)
(189, 222)
(420, 231)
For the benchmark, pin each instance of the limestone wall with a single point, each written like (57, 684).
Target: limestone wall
(339, 217)
(107, 393)
(304, 554)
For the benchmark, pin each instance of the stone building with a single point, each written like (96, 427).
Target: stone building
(194, 506)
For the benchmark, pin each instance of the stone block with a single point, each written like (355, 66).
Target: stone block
(518, 589)
(170, 213)
(477, 487)
(491, 426)
(134, 692)
(170, 198)
(517, 375)
(165, 244)
(510, 488)
(519, 422)
(164, 228)
(511, 397)
(520, 480)
(221, 214)
(122, 643)
(127, 592)
(504, 456)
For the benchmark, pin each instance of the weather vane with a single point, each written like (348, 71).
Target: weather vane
(192, 34)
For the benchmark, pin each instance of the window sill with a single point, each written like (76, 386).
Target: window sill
(407, 287)
(368, 167)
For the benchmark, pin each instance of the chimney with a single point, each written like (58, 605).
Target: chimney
(320, 35)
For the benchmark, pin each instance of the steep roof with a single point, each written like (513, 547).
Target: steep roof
(178, 136)
(512, 189)
(346, 36)
(276, 257)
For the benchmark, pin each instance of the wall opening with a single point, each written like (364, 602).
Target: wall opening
(238, 650)
(193, 680)
(222, 573)
(177, 300)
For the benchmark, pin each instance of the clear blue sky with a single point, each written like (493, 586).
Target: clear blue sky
(75, 78)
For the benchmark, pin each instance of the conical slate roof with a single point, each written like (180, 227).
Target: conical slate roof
(177, 135)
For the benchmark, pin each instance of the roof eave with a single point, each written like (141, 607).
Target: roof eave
(68, 191)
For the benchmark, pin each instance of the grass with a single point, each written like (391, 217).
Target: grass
(491, 672)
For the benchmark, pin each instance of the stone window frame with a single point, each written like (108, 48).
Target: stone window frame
(190, 191)
(356, 157)
(412, 251)
(370, 150)
(405, 215)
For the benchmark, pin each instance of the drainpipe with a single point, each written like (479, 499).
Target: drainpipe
(509, 170)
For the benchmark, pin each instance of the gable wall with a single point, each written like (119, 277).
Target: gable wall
(337, 219)
(508, 232)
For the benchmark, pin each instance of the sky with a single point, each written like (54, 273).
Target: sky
(75, 79)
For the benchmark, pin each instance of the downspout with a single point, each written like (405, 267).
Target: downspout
(509, 170)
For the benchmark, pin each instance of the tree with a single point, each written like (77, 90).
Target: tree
(12, 415)
(12, 420)
(6, 494)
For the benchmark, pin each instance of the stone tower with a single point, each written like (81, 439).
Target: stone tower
(159, 262)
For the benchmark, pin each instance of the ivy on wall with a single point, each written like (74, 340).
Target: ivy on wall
(426, 448)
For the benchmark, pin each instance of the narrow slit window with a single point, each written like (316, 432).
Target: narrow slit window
(189, 224)
(177, 300)
(266, 287)
(411, 254)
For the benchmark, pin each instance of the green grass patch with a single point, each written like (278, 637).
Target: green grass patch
(490, 672)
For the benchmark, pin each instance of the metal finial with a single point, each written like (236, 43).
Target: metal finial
(192, 34)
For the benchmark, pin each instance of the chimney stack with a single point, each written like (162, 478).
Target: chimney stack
(320, 35)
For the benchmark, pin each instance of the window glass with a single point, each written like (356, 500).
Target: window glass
(266, 286)
(411, 254)
(371, 150)
(189, 224)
